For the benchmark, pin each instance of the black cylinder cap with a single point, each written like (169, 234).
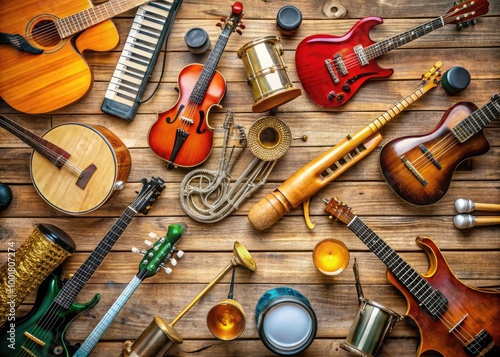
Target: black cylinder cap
(289, 18)
(455, 80)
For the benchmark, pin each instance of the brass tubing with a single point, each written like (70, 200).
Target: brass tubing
(203, 292)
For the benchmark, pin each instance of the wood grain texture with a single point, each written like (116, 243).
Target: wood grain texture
(283, 253)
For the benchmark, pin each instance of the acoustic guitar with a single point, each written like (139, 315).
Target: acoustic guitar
(41, 332)
(155, 258)
(75, 168)
(333, 68)
(453, 319)
(181, 136)
(41, 64)
(419, 168)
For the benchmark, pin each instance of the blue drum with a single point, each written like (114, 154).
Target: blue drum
(285, 321)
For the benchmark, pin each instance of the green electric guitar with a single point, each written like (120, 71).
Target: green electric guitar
(154, 259)
(40, 333)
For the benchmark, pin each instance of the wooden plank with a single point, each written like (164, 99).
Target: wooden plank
(292, 236)
(283, 252)
(366, 198)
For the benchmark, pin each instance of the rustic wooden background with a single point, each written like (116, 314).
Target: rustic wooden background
(283, 253)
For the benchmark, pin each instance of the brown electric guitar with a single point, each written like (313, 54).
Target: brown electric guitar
(41, 44)
(75, 167)
(453, 319)
(419, 169)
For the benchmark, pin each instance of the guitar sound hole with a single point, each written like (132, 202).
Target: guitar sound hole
(44, 34)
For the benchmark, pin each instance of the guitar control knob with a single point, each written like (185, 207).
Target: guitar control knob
(340, 97)
(173, 262)
(180, 254)
(153, 235)
(168, 270)
(331, 95)
(346, 88)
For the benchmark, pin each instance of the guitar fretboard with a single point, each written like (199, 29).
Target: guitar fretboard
(209, 67)
(82, 20)
(72, 288)
(432, 299)
(475, 122)
(110, 315)
(379, 48)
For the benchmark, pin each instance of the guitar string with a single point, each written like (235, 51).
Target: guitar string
(442, 147)
(352, 59)
(99, 330)
(449, 141)
(453, 328)
(380, 247)
(51, 313)
(47, 33)
(66, 163)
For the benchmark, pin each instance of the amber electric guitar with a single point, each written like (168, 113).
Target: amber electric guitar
(419, 169)
(454, 319)
(41, 64)
(181, 136)
(75, 167)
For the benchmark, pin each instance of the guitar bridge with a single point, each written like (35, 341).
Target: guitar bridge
(414, 171)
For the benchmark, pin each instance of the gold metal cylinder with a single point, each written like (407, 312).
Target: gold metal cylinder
(28, 266)
(157, 339)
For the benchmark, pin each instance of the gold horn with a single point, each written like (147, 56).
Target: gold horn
(160, 337)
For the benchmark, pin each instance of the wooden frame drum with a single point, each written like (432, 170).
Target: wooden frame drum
(267, 73)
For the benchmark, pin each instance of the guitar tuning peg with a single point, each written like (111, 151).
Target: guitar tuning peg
(241, 25)
(238, 31)
(167, 270)
(173, 262)
(180, 254)
(153, 235)
(223, 19)
(138, 251)
(148, 243)
(218, 24)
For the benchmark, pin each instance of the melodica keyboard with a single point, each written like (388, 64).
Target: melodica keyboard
(150, 29)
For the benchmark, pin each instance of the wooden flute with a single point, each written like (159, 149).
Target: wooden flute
(308, 180)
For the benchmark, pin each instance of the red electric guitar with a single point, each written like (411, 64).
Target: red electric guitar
(182, 136)
(419, 168)
(454, 319)
(331, 68)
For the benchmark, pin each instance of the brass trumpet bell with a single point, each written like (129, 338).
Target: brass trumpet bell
(241, 256)
(160, 337)
(226, 320)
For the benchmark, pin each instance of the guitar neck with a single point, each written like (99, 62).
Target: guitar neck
(51, 152)
(96, 334)
(404, 103)
(73, 24)
(72, 288)
(379, 48)
(432, 299)
(475, 122)
(209, 67)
